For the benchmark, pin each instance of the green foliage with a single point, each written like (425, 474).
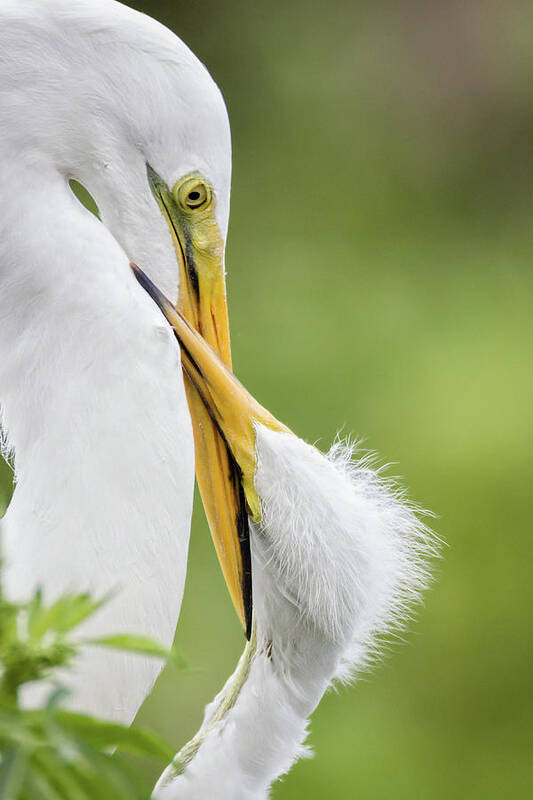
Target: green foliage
(50, 753)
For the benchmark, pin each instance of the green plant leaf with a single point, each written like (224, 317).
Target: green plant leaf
(12, 765)
(142, 645)
(105, 735)
(51, 753)
(62, 616)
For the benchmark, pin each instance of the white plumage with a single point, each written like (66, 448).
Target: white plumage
(93, 403)
(339, 559)
(101, 437)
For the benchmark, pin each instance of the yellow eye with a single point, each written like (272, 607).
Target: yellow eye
(193, 194)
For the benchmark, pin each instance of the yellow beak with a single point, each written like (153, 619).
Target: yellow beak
(189, 211)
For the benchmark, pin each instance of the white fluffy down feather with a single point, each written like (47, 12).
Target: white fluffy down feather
(339, 559)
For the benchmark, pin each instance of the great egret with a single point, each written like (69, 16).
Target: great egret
(95, 410)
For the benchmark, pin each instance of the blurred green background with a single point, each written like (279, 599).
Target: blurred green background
(380, 281)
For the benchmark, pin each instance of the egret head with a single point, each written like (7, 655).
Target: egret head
(174, 157)
(98, 92)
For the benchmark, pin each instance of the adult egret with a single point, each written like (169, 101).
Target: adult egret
(95, 410)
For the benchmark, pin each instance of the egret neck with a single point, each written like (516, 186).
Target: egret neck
(96, 415)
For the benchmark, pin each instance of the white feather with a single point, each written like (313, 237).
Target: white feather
(98, 421)
(339, 559)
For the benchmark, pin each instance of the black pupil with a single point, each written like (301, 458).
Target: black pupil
(194, 196)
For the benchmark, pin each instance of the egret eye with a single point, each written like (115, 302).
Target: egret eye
(193, 194)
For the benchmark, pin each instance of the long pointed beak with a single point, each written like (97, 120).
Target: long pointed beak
(202, 301)
(230, 407)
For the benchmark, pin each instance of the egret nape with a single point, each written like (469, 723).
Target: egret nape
(106, 414)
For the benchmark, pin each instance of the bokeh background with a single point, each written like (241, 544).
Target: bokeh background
(380, 281)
